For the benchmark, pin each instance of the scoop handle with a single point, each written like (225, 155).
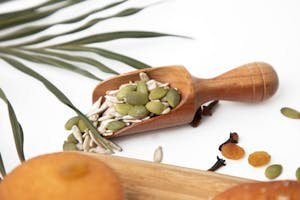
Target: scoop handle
(253, 82)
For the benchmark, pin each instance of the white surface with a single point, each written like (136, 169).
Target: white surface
(227, 34)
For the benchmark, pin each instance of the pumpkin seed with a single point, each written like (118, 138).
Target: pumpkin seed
(273, 171)
(123, 92)
(82, 126)
(72, 139)
(290, 113)
(158, 93)
(136, 98)
(115, 125)
(138, 112)
(69, 146)
(298, 174)
(155, 107)
(142, 87)
(173, 97)
(71, 122)
(122, 109)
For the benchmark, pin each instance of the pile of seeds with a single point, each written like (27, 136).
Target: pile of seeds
(132, 103)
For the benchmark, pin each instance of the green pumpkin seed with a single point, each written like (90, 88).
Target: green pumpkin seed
(71, 122)
(290, 113)
(82, 126)
(158, 93)
(138, 112)
(273, 171)
(72, 139)
(122, 109)
(173, 97)
(298, 174)
(155, 107)
(142, 87)
(69, 146)
(115, 125)
(122, 93)
(136, 98)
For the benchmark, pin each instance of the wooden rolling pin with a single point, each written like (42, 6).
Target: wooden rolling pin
(144, 180)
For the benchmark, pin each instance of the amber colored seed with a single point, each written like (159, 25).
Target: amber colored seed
(259, 158)
(232, 151)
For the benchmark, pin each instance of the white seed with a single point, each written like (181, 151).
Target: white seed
(132, 120)
(85, 134)
(79, 146)
(164, 99)
(92, 143)
(105, 118)
(113, 99)
(77, 134)
(108, 133)
(126, 84)
(144, 76)
(127, 123)
(165, 111)
(93, 117)
(165, 85)
(95, 124)
(100, 110)
(127, 117)
(110, 111)
(95, 106)
(158, 155)
(151, 84)
(112, 92)
(165, 104)
(145, 118)
(86, 143)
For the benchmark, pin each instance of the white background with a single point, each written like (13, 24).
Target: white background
(226, 34)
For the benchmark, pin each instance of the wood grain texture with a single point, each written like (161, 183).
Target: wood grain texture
(144, 180)
(253, 82)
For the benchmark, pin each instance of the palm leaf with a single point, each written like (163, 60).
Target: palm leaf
(2, 168)
(107, 54)
(81, 59)
(32, 16)
(49, 61)
(60, 96)
(104, 37)
(16, 127)
(26, 11)
(38, 28)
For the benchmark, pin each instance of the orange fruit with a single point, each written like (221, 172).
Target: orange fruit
(62, 176)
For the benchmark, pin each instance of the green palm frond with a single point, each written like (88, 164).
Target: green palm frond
(60, 55)
(16, 128)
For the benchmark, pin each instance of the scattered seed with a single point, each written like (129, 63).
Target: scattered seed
(273, 171)
(86, 143)
(155, 107)
(69, 146)
(71, 122)
(166, 111)
(290, 113)
(158, 155)
(72, 139)
(158, 93)
(151, 84)
(232, 151)
(144, 76)
(173, 97)
(115, 126)
(77, 134)
(259, 158)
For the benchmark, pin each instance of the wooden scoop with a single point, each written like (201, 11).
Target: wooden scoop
(253, 82)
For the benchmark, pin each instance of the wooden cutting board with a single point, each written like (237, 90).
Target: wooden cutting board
(144, 180)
